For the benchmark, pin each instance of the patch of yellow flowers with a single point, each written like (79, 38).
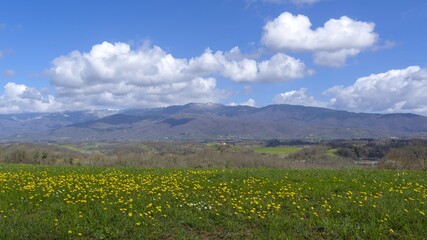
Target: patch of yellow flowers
(147, 196)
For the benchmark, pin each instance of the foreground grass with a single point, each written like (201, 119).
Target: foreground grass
(277, 150)
(40, 202)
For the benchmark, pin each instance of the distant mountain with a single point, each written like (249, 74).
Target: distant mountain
(34, 123)
(213, 122)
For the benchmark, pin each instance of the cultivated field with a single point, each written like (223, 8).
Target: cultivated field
(277, 150)
(58, 202)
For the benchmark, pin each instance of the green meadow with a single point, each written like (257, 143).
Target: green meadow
(277, 150)
(57, 202)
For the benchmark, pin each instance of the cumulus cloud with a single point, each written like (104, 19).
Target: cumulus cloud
(281, 67)
(394, 91)
(229, 64)
(114, 75)
(18, 98)
(108, 63)
(399, 90)
(250, 102)
(331, 44)
(334, 59)
(297, 97)
(232, 65)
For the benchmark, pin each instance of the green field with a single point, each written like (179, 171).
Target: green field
(47, 202)
(83, 148)
(277, 150)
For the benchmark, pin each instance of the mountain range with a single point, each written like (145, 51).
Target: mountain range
(209, 121)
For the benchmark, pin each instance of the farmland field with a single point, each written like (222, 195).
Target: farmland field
(277, 150)
(52, 202)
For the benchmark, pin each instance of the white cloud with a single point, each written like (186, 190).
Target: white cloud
(332, 44)
(297, 97)
(114, 75)
(9, 73)
(334, 59)
(232, 65)
(250, 102)
(281, 67)
(18, 98)
(400, 90)
(394, 91)
(229, 64)
(108, 63)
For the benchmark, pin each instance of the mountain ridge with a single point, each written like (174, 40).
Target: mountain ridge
(210, 121)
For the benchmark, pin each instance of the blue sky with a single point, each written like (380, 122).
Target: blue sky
(355, 55)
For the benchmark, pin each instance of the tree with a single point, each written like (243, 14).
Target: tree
(272, 143)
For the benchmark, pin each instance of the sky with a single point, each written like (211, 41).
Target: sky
(353, 55)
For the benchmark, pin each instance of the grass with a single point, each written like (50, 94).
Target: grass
(331, 153)
(45, 202)
(277, 150)
(82, 148)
